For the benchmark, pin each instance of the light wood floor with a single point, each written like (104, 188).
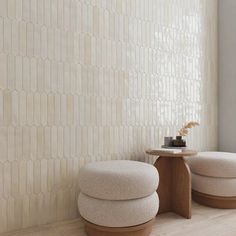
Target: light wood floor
(205, 222)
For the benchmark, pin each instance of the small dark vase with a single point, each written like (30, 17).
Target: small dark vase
(179, 142)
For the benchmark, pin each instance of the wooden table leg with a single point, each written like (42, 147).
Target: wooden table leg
(174, 189)
(181, 188)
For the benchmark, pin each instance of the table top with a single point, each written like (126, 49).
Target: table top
(184, 153)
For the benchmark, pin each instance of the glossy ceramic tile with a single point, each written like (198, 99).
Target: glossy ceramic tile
(84, 81)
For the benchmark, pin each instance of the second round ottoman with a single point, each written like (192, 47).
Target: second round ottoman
(118, 198)
(214, 179)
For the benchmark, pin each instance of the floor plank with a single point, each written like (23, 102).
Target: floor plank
(205, 221)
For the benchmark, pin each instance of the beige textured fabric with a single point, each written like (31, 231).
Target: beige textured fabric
(118, 213)
(118, 180)
(213, 164)
(224, 187)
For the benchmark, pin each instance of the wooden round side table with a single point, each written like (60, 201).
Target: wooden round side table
(174, 189)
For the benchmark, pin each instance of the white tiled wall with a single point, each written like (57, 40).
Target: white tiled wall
(95, 80)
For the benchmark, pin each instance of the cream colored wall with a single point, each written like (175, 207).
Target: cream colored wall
(227, 75)
(82, 81)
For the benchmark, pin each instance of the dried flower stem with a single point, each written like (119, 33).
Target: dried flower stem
(184, 130)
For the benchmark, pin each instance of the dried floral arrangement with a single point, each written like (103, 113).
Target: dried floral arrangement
(184, 130)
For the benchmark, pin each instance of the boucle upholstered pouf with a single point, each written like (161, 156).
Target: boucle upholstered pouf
(214, 179)
(118, 197)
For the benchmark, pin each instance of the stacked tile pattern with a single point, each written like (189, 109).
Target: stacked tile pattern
(84, 81)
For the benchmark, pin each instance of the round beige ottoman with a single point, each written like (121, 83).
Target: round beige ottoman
(118, 198)
(214, 179)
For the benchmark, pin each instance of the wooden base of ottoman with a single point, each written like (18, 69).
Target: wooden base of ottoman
(214, 201)
(139, 230)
